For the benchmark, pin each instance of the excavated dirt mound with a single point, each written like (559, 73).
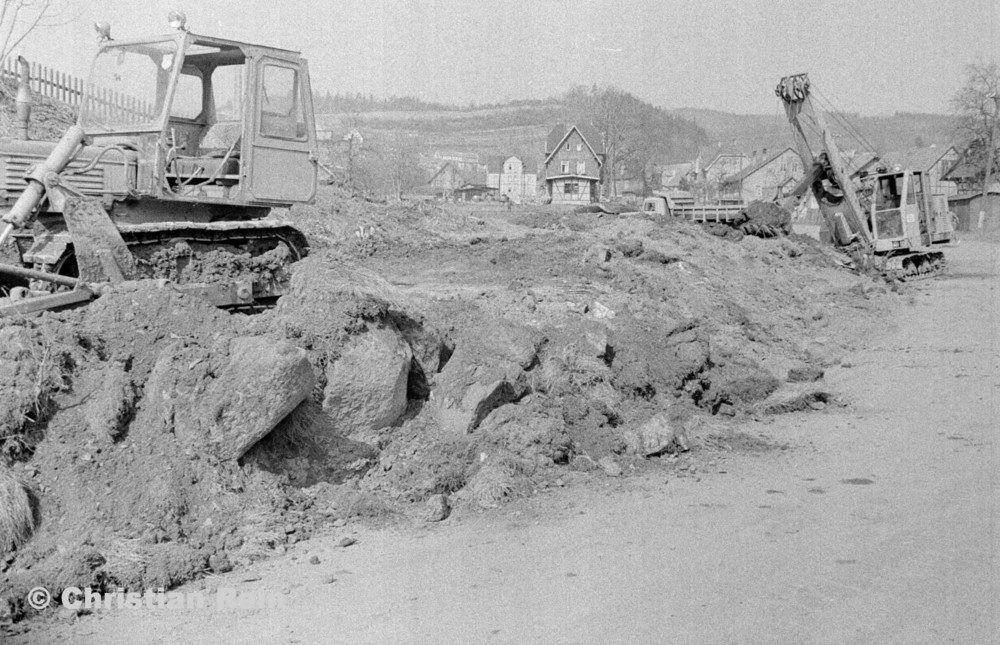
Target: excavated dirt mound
(766, 219)
(441, 352)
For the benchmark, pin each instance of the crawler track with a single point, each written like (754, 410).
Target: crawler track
(914, 266)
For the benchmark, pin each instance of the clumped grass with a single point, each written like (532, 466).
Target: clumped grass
(17, 515)
(124, 561)
(365, 505)
(570, 369)
(35, 367)
(499, 480)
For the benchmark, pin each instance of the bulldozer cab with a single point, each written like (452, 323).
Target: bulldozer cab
(212, 120)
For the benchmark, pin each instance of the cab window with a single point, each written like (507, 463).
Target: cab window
(187, 97)
(282, 115)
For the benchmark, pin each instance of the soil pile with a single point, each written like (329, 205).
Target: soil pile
(422, 352)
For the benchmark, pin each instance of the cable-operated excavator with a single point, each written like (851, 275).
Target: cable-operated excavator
(886, 220)
(184, 145)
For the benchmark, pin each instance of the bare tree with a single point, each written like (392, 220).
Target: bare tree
(402, 167)
(977, 106)
(18, 18)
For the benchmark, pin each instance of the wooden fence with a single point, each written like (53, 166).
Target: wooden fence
(46, 81)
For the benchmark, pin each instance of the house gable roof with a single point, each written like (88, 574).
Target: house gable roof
(562, 139)
(440, 170)
(918, 158)
(750, 170)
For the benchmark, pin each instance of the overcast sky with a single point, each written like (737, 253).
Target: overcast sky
(873, 57)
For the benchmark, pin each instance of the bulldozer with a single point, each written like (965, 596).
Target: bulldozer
(885, 219)
(183, 147)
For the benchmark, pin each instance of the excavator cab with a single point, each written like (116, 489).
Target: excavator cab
(899, 213)
(212, 120)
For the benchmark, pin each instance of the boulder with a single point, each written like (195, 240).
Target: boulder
(806, 374)
(262, 383)
(597, 254)
(366, 386)
(610, 466)
(529, 432)
(467, 392)
(431, 348)
(484, 373)
(437, 508)
(227, 403)
(630, 248)
(656, 436)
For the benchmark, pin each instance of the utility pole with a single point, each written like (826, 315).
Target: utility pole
(991, 155)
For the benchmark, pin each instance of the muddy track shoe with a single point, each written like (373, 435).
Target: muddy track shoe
(914, 266)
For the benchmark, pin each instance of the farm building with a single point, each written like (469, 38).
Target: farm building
(933, 161)
(474, 193)
(723, 164)
(452, 175)
(770, 178)
(573, 160)
(968, 206)
(677, 176)
(510, 180)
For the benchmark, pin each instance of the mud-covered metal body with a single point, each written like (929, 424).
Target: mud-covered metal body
(183, 147)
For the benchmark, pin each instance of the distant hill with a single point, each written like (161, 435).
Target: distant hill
(517, 128)
(521, 127)
(749, 132)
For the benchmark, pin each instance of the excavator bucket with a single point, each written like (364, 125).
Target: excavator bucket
(101, 253)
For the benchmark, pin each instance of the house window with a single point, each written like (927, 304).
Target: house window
(571, 188)
(579, 147)
(581, 167)
(565, 167)
(567, 146)
(759, 191)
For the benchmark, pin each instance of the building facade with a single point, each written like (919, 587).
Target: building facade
(770, 178)
(572, 166)
(510, 180)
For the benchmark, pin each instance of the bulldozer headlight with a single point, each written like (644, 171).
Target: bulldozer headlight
(177, 20)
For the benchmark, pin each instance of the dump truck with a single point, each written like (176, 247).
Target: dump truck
(184, 146)
(886, 219)
(682, 205)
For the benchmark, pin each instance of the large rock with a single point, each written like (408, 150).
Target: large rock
(262, 383)
(366, 386)
(484, 373)
(431, 348)
(528, 431)
(656, 436)
(468, 391)
(227, 403)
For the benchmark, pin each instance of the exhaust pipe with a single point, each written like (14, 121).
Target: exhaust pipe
(22, 103)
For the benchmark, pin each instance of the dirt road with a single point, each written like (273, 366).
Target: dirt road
(878, 524)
